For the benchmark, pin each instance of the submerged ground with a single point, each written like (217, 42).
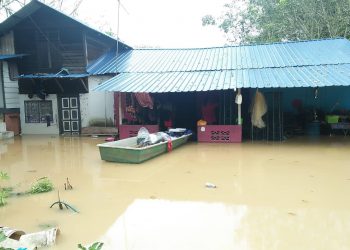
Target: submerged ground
(290, 195)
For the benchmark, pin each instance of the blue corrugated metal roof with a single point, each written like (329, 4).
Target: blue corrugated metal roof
(48, 76)
(291, 64)
(11, 56)
(289, 54)
(288, 77)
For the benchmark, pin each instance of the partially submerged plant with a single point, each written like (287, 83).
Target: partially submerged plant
(4, 192)
(67, 185)
(41, 186)
(95, 246)
(61, 203)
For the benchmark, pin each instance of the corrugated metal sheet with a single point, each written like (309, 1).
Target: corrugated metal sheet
(278, 65)
(48, 76)
(275, 55)
(6, 57)
(288, 77)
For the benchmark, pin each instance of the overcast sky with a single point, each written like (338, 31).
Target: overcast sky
(157, 23)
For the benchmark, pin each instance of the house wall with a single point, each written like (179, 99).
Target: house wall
(53, 41)
(7, 44)
(97, 108)
(10, 88)
(39, 128)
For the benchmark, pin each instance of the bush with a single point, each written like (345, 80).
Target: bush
(41, 186)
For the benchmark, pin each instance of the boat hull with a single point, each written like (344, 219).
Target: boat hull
(124, 151)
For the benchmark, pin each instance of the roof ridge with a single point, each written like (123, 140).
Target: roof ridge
(248, 45)
(228, 69)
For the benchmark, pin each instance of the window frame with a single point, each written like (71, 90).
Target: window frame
(41, 107)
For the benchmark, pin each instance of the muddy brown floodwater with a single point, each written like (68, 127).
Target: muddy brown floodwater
(290, 195)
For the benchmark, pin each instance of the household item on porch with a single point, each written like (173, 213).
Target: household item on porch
(208, 112)
(219, 133)
(127, 150)
(238, 99)
(273, 119)
(258, 109)
(313, 128)
(143, 137)
(201, 123)
(144, 99)
(330, 119)
(126, 131)
(168, 123)
(344, 126)
(176, 132)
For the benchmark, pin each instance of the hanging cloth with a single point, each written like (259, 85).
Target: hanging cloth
(258, 110)
(144, 99)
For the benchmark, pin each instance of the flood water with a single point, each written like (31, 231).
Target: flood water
(290, 195)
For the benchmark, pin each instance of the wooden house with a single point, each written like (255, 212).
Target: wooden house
(50, 53)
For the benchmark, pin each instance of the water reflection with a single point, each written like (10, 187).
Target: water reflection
(161, 224)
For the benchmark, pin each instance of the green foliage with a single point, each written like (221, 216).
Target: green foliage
(247, 21)
(3, 196)
(2, 236)
(41, 186)
(4, 192)
(4, 176)
(95, 246)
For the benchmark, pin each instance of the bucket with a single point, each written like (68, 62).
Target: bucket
(313, 129)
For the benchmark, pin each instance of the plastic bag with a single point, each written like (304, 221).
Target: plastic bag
(143, 137)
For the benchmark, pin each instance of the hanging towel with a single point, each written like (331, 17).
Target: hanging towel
(258, 110)
(144, 99)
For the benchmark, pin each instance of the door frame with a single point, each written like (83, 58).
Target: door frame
(59, 105)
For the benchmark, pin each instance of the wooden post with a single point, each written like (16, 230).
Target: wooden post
(239, 109)
(120, 108)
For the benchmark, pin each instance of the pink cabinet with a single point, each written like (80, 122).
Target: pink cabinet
(126, 131)
(219, 133)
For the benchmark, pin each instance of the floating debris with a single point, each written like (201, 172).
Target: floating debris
(16, 239)
(210, 185)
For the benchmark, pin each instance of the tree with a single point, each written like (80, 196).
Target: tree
(281, 20)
